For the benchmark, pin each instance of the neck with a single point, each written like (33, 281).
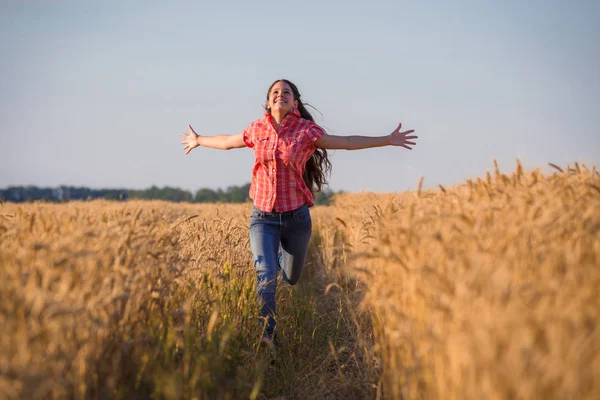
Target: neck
(278, 116)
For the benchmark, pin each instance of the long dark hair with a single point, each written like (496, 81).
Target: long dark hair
(318, 165)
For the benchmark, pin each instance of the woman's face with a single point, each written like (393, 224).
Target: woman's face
(281, 98)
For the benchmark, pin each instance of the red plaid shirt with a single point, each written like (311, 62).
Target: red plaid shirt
(280, 158)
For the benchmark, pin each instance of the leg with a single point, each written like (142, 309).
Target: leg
(294, 244)
(264, 241)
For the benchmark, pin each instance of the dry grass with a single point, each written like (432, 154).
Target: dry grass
(156, 300)
(483, 290)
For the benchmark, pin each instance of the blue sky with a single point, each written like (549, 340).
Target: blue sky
(95, 93)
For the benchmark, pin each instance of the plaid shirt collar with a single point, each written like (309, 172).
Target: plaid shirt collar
(294, 112)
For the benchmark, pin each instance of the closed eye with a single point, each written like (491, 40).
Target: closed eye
(276, 92)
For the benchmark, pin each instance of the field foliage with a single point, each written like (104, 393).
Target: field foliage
(487, 289)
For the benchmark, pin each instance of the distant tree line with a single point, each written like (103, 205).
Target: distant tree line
(233, 194)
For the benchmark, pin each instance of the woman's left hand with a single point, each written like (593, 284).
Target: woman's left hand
(398, 138)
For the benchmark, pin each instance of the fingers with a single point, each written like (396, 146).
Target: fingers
(186, 144)
(403, 140)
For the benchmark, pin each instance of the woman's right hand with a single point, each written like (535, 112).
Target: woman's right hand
(191, 140)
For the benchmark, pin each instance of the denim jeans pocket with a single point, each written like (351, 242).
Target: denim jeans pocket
(302, 214)
(256, 213)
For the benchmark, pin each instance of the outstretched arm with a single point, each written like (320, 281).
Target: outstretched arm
(396, 138)
(223, 142)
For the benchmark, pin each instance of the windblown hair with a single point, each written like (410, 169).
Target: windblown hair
(318, 165)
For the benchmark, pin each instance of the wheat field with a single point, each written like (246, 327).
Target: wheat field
(484, 290)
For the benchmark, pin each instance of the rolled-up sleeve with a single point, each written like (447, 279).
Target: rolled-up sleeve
(314, 133)
(248, 136)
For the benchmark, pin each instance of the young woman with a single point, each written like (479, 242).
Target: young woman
(291, 164)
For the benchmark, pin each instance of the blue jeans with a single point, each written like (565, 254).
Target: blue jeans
(279, 241)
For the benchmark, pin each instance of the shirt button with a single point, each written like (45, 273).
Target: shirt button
(273, 195)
